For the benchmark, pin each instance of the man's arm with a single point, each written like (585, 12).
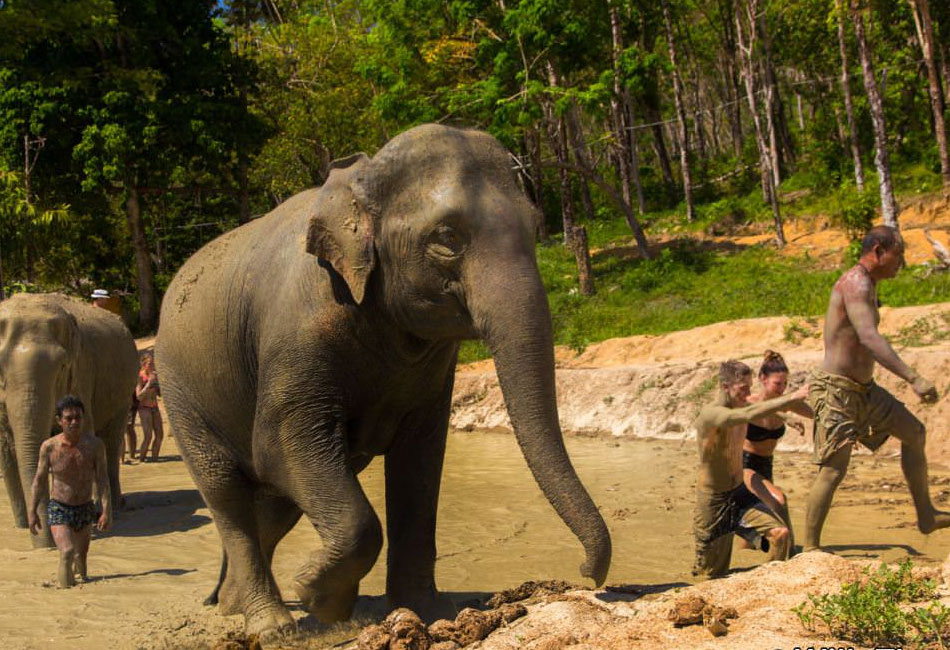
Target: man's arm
(859, 306)
(722, 416)
(102, 484)
(40, 488)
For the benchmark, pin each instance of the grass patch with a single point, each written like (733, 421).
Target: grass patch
(878, 610)
(924, 331)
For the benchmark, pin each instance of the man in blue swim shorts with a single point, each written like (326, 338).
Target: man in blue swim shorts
(77, 462)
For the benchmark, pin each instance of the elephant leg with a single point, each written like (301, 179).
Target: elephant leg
(333, 499)
(276, 515)
(111, 436)
(413, 476)
(227, 491)
(11, 479)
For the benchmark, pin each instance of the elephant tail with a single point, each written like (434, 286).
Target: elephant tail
(212, 598)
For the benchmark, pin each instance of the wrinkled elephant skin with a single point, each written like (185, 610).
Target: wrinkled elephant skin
(299, 346)
(50, 346)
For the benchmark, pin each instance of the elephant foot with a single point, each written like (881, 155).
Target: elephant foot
(229, 599)
(269, 623)
(430, 606)
(326, 604)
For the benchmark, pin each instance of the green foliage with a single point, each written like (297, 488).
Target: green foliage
(854, 211)
(873, 611)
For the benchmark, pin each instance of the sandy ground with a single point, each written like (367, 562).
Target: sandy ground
(152, 570)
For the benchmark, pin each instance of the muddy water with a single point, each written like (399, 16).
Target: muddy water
(496, 529)
(152, 570)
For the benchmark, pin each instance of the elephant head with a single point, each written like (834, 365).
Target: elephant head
(39, 345)
(436, 231)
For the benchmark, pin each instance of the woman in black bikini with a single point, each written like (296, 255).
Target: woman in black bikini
(762, 436)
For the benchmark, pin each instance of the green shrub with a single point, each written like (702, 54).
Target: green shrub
(854, 211)
(875, 611)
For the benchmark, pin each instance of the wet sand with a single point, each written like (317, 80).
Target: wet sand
(496, 530)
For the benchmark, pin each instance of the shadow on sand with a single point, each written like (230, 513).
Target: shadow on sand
(116, 576)
(628, 593)
(154, 513)
(843, 549)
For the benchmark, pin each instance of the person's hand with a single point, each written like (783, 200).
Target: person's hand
(801, 393)
(104, 521)
(925, 389)
(34, 522)
(797, 425)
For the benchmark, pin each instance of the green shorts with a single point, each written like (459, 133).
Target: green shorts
(717, 517)
(848, 412)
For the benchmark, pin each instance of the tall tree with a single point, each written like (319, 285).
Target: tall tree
(882, 161)
(680, 114)
(846, 92)
(925, 35)
(746, 40)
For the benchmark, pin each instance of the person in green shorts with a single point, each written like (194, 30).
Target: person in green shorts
(849, 407)
(724, 505)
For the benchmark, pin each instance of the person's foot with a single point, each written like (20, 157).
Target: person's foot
(936, 521)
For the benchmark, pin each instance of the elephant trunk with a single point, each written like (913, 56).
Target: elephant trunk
(30, 414)
(510, 311)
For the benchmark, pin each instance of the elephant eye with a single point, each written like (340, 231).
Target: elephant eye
(445, 242)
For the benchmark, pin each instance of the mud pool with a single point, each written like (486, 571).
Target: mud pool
(496, 530)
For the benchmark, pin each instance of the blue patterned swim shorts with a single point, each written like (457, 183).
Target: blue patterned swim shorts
(76, 517)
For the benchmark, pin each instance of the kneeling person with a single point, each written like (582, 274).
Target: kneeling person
(723, 503)
(76, 461)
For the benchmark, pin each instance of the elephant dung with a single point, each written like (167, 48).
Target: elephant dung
(512, 611)
(694, 610)
(373, 637)
(407, 630)
(687, 611)
(530, 589)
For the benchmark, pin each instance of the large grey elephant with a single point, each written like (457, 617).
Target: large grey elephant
(299, 346)
(52, 345)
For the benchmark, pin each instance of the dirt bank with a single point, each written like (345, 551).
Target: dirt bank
(653, 386)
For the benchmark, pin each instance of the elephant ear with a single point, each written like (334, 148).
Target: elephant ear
(342, 228)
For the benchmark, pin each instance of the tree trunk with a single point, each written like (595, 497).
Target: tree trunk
(746, 45)
(848, 104)
(733, 94)
(925, 34)
(625, 137)
(579, 148)
(881, 159)
(532, 144)
(659, 148)
(772, 104)
(585, 275)
(148, 306)
(680, 115)
(612, 192)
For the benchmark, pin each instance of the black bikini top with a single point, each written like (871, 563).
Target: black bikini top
(755, 433)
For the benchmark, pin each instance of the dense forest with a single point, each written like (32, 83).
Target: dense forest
(134, 131)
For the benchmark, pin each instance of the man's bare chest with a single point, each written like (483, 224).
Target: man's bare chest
(71, 460)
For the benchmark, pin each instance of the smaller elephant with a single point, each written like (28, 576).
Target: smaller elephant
(52, 345)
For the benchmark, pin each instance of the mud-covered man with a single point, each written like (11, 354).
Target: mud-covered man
(723, 503)
(77, 462)
(849, 406)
